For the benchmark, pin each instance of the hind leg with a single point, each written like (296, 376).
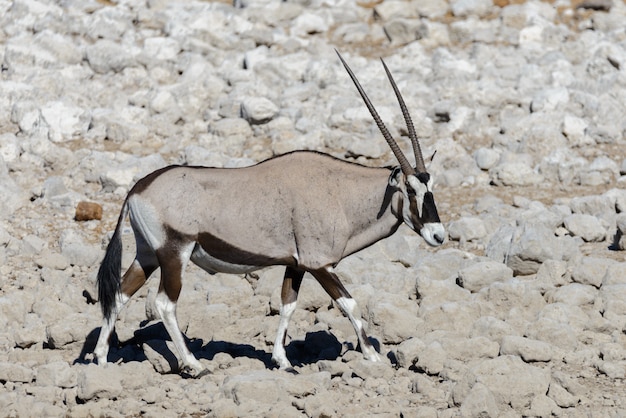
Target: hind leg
(173, 258)
(142, 267)
(289, 295)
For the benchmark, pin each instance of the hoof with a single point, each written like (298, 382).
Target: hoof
(373, 355)
(99, 362)
(290, 370)
(188, 372)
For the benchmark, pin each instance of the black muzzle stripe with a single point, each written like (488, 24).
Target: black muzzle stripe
(429, 210)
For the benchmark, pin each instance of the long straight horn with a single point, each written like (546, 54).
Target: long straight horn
(417, 150)
(404, 163)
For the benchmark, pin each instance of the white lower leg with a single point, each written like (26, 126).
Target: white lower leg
(167, 311)
(102, 346)
(350, 309)
(279, 356)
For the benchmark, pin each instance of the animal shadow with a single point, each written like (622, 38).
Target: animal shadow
(318, 345)
(616, 238)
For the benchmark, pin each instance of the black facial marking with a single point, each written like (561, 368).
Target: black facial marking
(429, 210)
(423, 177)
(415, 217)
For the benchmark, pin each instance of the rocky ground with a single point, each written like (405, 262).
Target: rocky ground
(521, 312)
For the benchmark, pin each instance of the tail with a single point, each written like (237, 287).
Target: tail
(109, 274)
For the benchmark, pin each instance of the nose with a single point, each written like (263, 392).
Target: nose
(433, 233)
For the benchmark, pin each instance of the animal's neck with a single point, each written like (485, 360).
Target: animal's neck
(380, 218)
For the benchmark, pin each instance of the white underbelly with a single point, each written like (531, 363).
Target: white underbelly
(215, 265)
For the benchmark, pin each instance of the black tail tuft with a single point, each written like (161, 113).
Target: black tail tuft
(109, 274)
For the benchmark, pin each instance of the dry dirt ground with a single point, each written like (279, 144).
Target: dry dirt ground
(32, 385)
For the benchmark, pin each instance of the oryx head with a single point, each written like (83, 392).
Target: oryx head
(418, 204)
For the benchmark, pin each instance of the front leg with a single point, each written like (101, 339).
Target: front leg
(333, 286)
(289, 296)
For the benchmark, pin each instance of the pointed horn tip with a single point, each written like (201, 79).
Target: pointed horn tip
(417, 152)
(340, 56)
(404, 163)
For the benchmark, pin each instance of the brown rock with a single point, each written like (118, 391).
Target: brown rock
(87, 211)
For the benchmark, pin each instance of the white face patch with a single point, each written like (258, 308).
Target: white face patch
(419, 187)
(420, 190)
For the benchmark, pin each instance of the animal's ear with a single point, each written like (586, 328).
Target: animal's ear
(394, 178)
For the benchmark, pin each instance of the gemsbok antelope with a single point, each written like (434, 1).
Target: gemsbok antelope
(303, 210)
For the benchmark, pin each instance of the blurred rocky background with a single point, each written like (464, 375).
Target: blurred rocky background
(522, 312)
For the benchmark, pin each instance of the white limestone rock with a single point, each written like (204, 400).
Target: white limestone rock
(129, 171)
(402, 31)
(493, 328)
(596, 205)
(483, 274)
(10, 148)
(514, 175)
(12, 372)
(62, 47)
(510, 380)
(467, 229)
(432, 8)
(161, 48)
(311, 23)
(620, 235)
(591, 270)
(562, 397)
(480, 401)
(395, 9)
(258, 110)
(526, 247)
(464, 8)
(614, 274)
(126, 124)
(409, 351)
(105, 55)
(486, 158)
(58, 373)
(588, 227)
(32, 331)
(76, 250)
(110, 23)
(574, 129)
(96, 382)
(12, 196)
(573, 294)
(65, 122)
(562, 165)
(549, 99)
(396, 318)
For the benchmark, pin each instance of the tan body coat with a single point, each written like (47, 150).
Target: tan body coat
(300, 223)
